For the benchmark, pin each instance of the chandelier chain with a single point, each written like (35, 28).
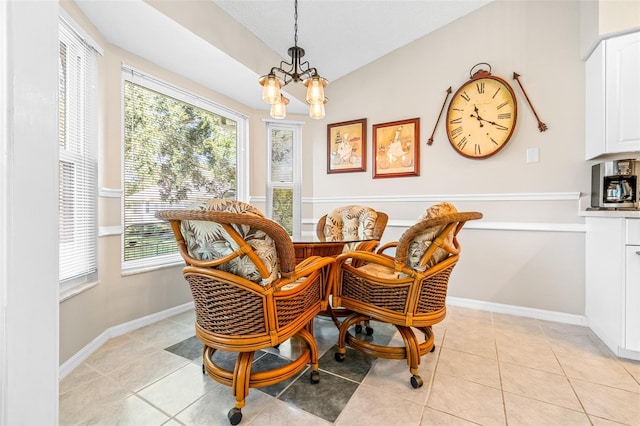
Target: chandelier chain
(295, 25)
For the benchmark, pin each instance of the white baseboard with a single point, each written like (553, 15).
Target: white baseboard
(116, 331)
(519, 311)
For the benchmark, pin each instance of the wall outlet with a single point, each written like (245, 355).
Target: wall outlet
(533, 155)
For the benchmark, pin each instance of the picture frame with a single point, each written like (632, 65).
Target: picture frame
(347, 146)
(396, 148)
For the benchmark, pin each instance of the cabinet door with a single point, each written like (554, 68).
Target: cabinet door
(622, 126)
(632, 308)
(594, 103)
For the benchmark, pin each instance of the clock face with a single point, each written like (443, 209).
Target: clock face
(481, 117)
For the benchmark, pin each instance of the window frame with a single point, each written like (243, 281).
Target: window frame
(296, 184)
(147, 81)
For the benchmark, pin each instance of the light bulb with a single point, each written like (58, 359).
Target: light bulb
(279, 109)
(270, 88)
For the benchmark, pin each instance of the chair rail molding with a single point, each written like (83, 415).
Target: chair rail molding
(110, 193)
(515, 196)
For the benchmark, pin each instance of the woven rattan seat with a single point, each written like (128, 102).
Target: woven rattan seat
(403, 290)
(248, 292)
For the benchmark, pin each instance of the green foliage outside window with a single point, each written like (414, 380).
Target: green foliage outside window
(175, 153)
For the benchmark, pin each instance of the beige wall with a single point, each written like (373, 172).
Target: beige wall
(605, 18)
(529, 249)
(526, 259)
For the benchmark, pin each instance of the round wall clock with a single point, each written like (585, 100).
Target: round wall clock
(482, 115)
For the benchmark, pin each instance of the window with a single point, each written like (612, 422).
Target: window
(284, 180)
(77, 164)
(178, 149)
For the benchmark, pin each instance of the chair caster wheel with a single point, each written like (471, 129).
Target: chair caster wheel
(339, 357)
(315, 377)
(433, 349)
(358, 328)
(369, 331)
(416, 381)
(234, 415)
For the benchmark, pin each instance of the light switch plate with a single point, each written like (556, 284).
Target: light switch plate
(533, 155)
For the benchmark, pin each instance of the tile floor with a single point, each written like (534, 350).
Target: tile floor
(487, 369)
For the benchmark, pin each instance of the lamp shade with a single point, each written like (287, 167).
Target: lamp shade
(270, 88)
(316, 109)
(279, 109)
(315, 89)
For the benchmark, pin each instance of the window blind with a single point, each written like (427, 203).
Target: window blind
(178, 149)
(77, 194)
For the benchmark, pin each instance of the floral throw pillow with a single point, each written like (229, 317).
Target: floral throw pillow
(206, 240)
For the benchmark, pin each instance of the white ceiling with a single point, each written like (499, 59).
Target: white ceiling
(338, 36)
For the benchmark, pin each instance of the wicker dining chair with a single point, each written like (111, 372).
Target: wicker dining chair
(353, 221)
(248, 292)
(407, 289)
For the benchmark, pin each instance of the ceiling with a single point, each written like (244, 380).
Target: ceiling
(338, 36)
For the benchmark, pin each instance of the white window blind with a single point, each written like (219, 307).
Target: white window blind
(178, 149)
(78, 142)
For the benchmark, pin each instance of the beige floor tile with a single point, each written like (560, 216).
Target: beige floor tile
(144, 371)
(282, 414)
(83, 402)
(598, 421)
(540, 357)
(460, 315)
(374, 406)
(507, 321)
(394, 377)
(131, 411)
(474, 340)
(212, 408)
(522, 335)
(609, 403)
(523, 411)
(163, 333)
(467, 400)
(473, 368)
(633, 367)
(558, 329)
(432, 417)
(539, 385)
(80, 375)
(603, 370)
(117, 352)
(178, 390)
(186, 318)
(580, 344)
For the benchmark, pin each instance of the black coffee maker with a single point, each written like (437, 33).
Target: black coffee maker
(614, 184)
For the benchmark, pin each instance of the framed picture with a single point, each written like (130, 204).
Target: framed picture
(396, 149)
(347, 146)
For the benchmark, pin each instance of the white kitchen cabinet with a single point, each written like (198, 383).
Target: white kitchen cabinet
(612, 97)
(612, 291)
(594, 103)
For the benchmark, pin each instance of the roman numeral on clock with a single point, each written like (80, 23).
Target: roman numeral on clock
(462, 143)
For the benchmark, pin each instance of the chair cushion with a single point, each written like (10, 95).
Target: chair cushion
(350, 222)
(207, 240)
(420, 244)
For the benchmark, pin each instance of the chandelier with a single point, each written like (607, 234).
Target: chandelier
(295, 71)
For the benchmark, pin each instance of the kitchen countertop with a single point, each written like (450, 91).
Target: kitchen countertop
(610, 213)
